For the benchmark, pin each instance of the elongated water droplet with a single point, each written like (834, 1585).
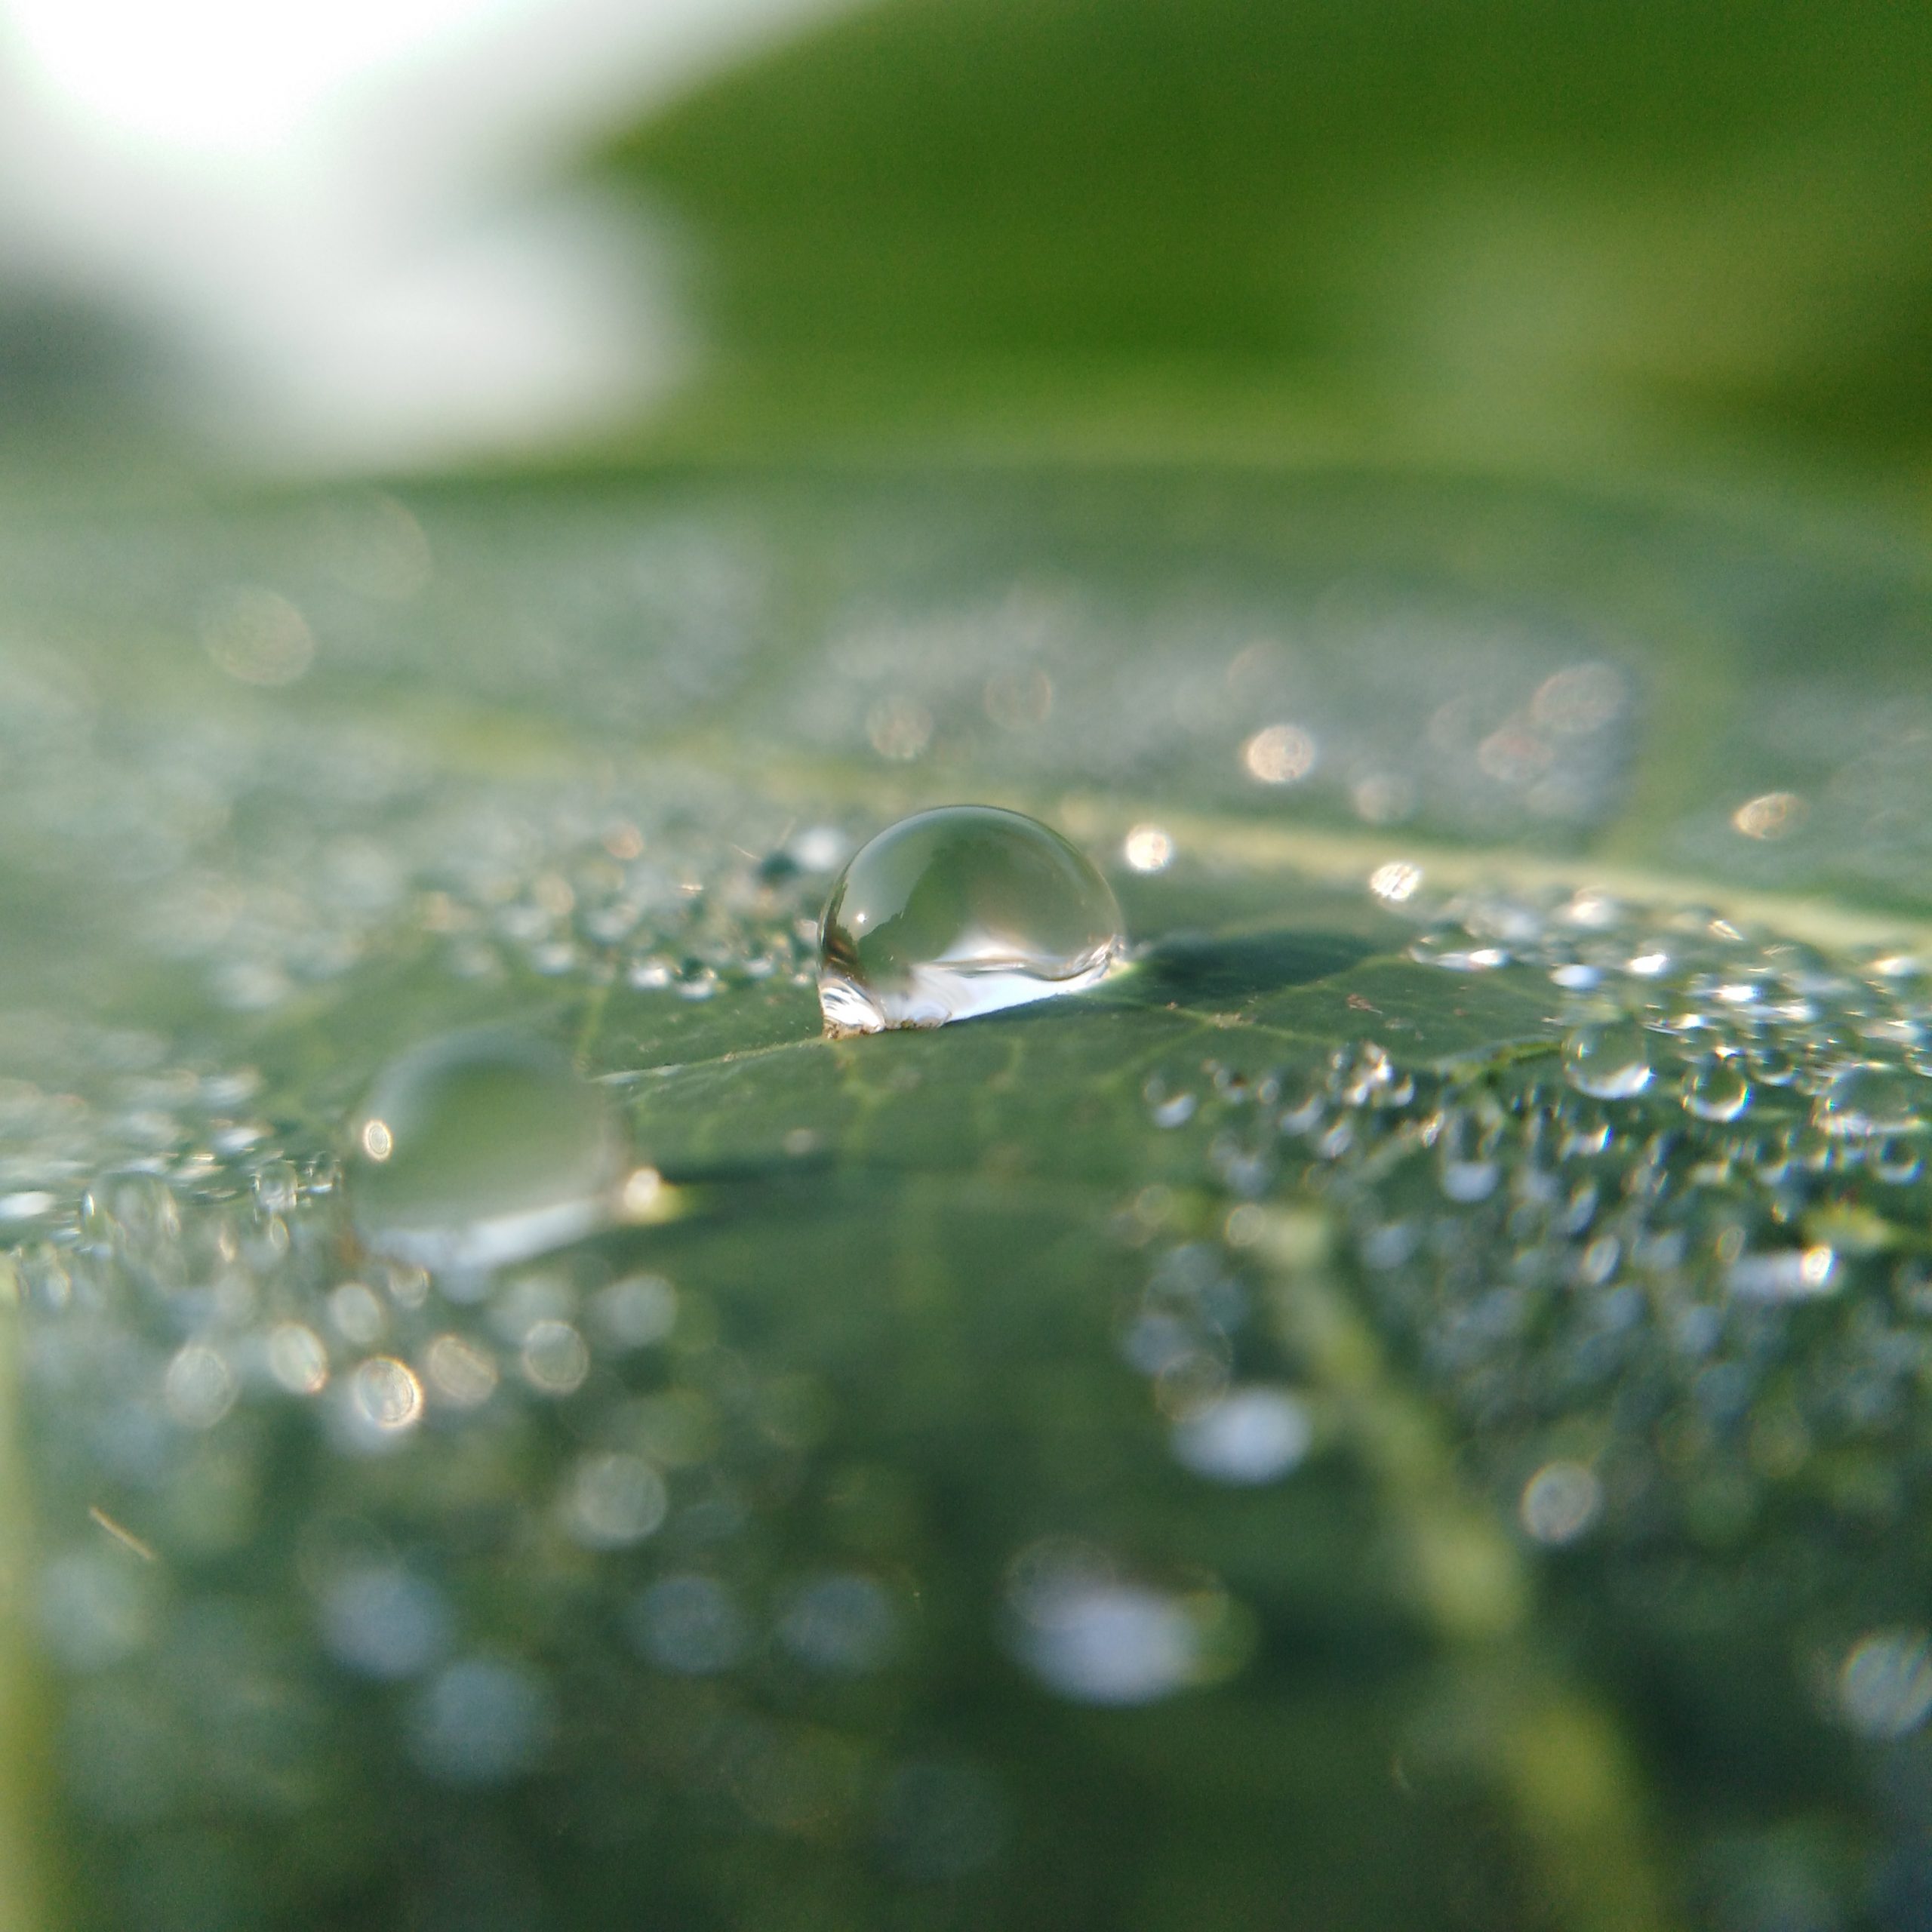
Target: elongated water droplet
(963, 911)
(1611, 1063)
(1717, 1090)
(1458, 952)
(1861, 1101)
(479, 1149)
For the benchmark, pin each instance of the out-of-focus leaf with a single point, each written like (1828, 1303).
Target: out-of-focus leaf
(1488, 229)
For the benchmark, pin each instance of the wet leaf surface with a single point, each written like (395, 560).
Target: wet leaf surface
(1261, 1440)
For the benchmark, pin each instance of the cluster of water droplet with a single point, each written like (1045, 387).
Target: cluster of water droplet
(274, 852)
(89, 1100)
(296, 1483)
(1683, 1214)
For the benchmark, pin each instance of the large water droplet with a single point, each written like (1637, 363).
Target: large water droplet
(963, 911)
(1861, 1101)
(479, 1149)
(1611, 1063)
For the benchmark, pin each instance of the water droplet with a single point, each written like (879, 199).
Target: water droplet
(614, 1500)
(1560, 1502)
(381, 1622)
(277, 1188)
(1717, 1090)
(1791, 1274)
(1897, 1161)
(963, 911)
(1252, 1435)
(1611, 1063)
(481, 1722)
(1885, 1687)
(843, 1625)
(480, 1149)
(556, 1359)
(689, 1624)
(199, 1388)
(464, 1372)
(1861, 1101)
(1456, 952)
(387, 1395)
(1098, 1638)
(298, 1358)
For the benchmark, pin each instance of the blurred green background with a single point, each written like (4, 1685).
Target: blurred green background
(1489, 231)
(1606, 237)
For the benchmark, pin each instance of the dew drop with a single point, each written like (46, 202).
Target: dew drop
(479, 1149)
(1860, 1102)
(1897, 1160)
(1611, 1063)
(1456, 952)
(1716, 1090)
(1248, 1436)
(386, 1394)
(960, 911)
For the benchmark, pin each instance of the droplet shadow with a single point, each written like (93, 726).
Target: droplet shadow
(1198, 969)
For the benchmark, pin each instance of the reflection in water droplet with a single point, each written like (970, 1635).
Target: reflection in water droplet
(963, 911)
(1717, 1090)
(1861, 1101)
(480, 1149)
(1611, 1063)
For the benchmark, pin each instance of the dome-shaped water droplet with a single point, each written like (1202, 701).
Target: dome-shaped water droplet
(960, 912)
(1717, 1090)
(1863, 1101)
(478, 1148)
(1611, 1063)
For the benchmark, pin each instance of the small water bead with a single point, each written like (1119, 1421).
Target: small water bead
(1862, 1101)
(1609, 1063)
(1716, 1090)
(958, 912)
(479, 1149)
